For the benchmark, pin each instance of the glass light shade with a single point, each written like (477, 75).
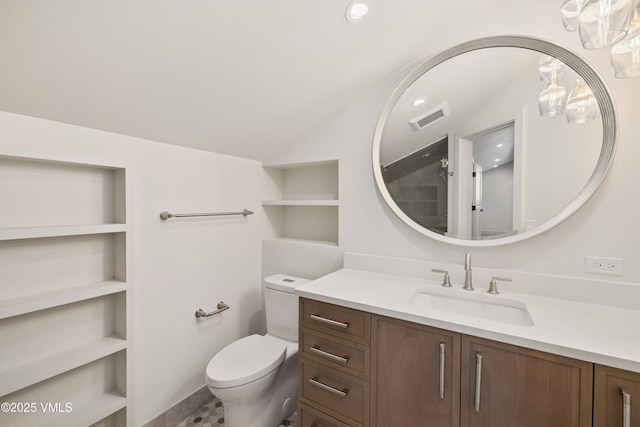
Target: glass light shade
(570, 11)
(552, 99)
(625, 56)
(582, 106)
(604, 22)
(551, 68)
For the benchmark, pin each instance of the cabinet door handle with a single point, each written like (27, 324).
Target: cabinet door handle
(342, 393)
(316, 349)
(626, 409)
(329, 321)
(442, 349)
(478, 380)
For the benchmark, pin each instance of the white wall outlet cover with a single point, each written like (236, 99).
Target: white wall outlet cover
(604, 265)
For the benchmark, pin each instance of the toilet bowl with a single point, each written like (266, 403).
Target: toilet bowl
(255, 377)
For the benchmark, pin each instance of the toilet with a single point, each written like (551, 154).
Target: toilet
(256, 377)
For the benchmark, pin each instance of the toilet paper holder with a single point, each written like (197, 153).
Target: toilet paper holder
(221, 307)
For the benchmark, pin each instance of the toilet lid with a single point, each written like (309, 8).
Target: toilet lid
(244, 361)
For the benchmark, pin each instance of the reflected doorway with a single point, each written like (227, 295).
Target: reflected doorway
(493, 188)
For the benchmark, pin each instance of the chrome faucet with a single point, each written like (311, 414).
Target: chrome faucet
(468, 281)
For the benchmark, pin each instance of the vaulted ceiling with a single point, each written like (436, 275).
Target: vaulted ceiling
(244, 78)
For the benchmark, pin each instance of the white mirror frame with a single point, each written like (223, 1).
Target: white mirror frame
(578, 64)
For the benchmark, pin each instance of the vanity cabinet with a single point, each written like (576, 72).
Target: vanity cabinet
(614, 393)
(415, 376)
(506, 385)
(362, 369)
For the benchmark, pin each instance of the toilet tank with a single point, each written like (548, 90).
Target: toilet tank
(281, 305)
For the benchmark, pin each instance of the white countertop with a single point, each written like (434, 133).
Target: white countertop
(591, 332)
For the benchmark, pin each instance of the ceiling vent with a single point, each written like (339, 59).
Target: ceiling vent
(429, 117)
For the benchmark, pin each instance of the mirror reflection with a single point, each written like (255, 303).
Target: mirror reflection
(490, 143)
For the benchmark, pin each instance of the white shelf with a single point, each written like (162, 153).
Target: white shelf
(83, 416)
(59, 231)
(300, 202)
(92, 412)
(42, 301)
(39, 370)
(304, 241)
(314, 163)
(308, 201)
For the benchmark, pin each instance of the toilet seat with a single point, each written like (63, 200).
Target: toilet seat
(244, 361)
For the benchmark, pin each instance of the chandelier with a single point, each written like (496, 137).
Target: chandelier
(603, 23)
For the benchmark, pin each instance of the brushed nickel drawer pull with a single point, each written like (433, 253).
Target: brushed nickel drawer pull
(626, 409)
(342, 393)
(478, 380)
(316, 349)
(442, 348)
(329, 321)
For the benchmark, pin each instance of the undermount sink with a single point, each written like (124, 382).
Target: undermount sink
(473, 304)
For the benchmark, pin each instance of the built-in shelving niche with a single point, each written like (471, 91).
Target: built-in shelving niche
(307, 208)
(65, 294)
(81, 396)
(44, 272)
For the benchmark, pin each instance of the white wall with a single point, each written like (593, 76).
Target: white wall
(181, 264)
(605, 226)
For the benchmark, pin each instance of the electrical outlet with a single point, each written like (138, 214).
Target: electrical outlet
(603, 265)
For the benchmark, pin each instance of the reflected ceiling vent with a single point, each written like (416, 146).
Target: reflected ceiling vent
(425, 119)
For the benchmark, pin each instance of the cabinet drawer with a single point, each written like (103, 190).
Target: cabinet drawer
(309, 417)
(332, 392)
(338, 353)
(335, 320)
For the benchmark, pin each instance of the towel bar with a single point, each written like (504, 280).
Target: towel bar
(166, 215)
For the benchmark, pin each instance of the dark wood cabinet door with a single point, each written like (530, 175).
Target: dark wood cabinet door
(611, 408)
(415, 375)
(509, 386)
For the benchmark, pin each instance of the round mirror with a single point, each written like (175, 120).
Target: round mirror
(494, 141)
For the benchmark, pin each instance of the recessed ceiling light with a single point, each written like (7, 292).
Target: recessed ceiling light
(499, 145)
(418, 101)
(357, 10)
(496, 160)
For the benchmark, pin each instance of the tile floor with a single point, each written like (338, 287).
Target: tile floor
(212, 415)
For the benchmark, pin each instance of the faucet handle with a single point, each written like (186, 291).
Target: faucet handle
(446, 282)
(493, 286)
